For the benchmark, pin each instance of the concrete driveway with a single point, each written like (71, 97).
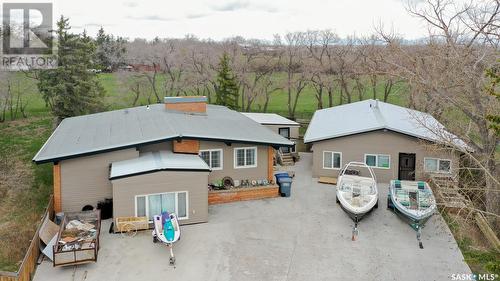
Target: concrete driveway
(305, 237)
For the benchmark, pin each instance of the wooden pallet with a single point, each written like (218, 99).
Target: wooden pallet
(328, 180)
(124, 224)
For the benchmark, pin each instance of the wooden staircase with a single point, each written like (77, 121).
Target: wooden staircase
(287, 159)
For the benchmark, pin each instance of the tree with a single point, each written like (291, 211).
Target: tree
(447, 71)
(227, 84)
(72, 88)
(110, 51)
(492, 88)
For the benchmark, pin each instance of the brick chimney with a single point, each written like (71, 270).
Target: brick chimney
(194, 104)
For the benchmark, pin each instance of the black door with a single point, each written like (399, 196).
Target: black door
(406, 166)
(285, 132)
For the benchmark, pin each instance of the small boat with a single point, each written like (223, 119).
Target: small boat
(357, 192)
(413, 201)
(167, 231)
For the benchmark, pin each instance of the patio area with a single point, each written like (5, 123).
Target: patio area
(304, 237)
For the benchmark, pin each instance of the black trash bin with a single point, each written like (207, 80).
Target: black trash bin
(285, 184)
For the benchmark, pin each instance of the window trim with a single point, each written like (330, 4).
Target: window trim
(438, 160)
(376, 160)
(332, 152)
(210, 158)
(161, 193)
(235, 160)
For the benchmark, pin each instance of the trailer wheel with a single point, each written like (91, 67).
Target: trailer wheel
(389, 205)
(155, 239)
(337, 199)
(376, 205)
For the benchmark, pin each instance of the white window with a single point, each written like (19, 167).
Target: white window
(213, 157)
(436, 165)
(154, 204)
(381, 161)
(245, 157)
(332, 160)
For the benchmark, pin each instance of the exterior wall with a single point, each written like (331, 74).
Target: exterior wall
(166, 145)
(259, 172)
(294, 130)
(354, 148)
(195, 183)
(85, 180)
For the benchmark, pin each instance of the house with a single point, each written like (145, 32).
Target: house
(158, 157)
(278, 124)
(395, 141)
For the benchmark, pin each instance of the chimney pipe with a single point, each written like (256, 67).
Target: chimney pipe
(192, 104)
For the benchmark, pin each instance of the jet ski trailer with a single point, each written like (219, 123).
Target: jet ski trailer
(167, 231)
(413, 201)
(357, 192)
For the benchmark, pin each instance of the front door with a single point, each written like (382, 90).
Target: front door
(285, 132)
(406, 166)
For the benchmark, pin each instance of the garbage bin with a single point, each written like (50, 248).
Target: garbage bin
(281, 175)
(285, 184)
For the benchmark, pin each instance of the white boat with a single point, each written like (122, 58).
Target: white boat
(167, 231)
(413, 201)
(357, 191)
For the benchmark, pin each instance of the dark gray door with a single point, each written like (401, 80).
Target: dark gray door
(406, 166)
(285, 132)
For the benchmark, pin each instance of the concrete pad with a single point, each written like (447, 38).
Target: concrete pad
(304, 237)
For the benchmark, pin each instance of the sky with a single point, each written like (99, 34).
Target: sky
(219, 19)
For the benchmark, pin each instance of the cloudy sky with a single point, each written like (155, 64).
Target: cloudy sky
(220, 19)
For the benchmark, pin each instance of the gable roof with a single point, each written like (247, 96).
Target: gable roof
(370, 115)
(151, 162)
(125, 128)
(270, 119)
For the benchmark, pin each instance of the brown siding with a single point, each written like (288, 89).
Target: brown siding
(259, 172)
(195, 183)
(186, 146)
(57, 187)
(84, 180)
(353, 148)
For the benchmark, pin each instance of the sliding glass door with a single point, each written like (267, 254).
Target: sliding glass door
(154, 204)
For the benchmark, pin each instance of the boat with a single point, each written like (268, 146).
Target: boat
(357, 192)
(167, 231)
(413, 201)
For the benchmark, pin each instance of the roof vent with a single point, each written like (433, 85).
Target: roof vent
(197, 104)
(375, 105)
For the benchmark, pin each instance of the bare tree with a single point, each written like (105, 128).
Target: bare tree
(448, 73)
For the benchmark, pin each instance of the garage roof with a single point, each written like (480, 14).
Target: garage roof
(151, 162)
(371, 115)
(270, 119)
(125, 128)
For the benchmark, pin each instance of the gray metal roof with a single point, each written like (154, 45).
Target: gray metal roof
(157, 161)
(270, 119)
(370, 115)
(112, 130)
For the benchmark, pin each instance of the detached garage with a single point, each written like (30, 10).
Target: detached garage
(161, 181)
